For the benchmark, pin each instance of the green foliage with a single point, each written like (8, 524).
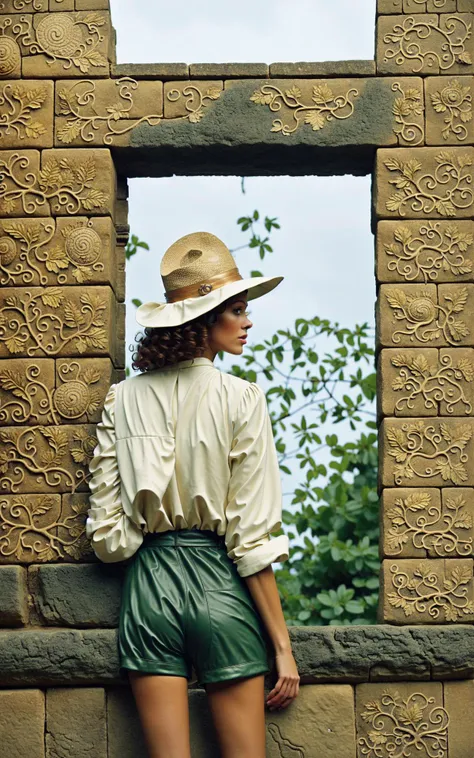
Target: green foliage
(321, 375)
(132, 247)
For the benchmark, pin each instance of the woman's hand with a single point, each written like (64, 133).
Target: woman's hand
(288, 684)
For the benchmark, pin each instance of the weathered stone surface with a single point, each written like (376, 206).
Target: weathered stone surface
(104, 112)
(227, 70)
(466, 6)
(408, 315)
(80, 596)
(426, 452)
(427, 522)
(82, 321)
(58, 657)
(38, 528)
(153, 71)
(11, 46)
(61, 5)
(22, 723)
(456, 308)
(323, 68)
(323, 655)
(26, 114)
(66, 40)
(19, 6)
(424, 43)
(427, 591)
(456, 366)
(52, 251)
(404, 384)
(440, 182)
(26, 392)
(125, 738)
(78, 181)
(429, 6)
(449, 118)
(459, 703)
(13, 600)
(17, 167)
(76, 723)
(425, 251)
(97, 5)
(187, 99)
(412, 709)
(46, 458)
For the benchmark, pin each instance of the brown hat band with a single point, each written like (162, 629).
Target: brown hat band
(203, 288)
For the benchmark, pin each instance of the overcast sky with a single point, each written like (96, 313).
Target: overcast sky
(324, 248)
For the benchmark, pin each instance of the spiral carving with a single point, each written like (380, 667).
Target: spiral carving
(59, 35)
(8, 250)
(10, 55)
(72, 399)
(83, 246)
(422, 309)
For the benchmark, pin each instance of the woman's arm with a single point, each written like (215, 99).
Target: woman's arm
(264, 590)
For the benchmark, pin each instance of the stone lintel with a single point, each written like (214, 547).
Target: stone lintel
(323, 68)
(227, 70)
(163, 71)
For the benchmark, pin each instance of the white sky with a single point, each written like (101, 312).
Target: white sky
(324, 248)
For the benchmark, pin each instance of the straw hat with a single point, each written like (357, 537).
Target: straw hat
(199, 273)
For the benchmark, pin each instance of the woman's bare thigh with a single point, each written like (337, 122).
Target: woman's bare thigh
(162, 704)
(238, 711)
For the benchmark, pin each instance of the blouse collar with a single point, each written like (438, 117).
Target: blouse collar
(198, 361)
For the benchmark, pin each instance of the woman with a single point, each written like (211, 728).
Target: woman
(186, 487)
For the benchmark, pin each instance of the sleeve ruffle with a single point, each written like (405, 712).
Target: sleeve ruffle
(254, 507)
(114, 536)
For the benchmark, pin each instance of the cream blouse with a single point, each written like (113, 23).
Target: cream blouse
(186, 446)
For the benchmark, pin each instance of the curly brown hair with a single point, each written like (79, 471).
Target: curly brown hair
(163, 346)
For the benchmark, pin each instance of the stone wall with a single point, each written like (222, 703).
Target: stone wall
(73, 126)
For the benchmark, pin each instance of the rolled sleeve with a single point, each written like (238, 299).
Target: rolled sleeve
(254, 503)
(114, 536)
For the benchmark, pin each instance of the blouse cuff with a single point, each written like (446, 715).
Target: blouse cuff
(274, 550)
(113, 535)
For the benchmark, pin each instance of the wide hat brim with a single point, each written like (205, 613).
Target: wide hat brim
(155, 315)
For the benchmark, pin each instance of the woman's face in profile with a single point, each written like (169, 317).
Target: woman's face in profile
(231, 327)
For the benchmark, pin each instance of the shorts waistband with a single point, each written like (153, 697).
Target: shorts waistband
(184, 538)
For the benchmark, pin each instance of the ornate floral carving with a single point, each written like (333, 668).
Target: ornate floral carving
(445, 191)
(194, 101)
(17, 103)
(12, 32)
(66, 181)
(434, 384)
(425, 320)
(72, 38)
(425, 591)
(32, 400)
(419, 450)
(32, 528)
(26, 327)
(425, 42)
(430, 251)
(82, 95)
(429, 526)
(405, 108)
(325, 106)
(28, 5)
(456, 101)
(80, 251)
(402, 726)
(24, 453)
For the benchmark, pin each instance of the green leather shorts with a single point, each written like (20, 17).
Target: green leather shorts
(184, 607)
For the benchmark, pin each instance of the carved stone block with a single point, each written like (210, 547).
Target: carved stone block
(24, 6)
(449, 118)
(466, 6)
(76, 720)
(429, 6)
(26, 114)
(412, 709)
(427, 591)
(61, 5)
(389, 6)
(456, 378)
(409, 382)
(22, 190)
(426, 182)
(424, 44)
(13, 29)
(79, 181)
(68, 45)
(426, 452)
(188, 100)
(46, 459)
(98, 5)
(105, 112)
(408, 110)
(459, 703)
(427, 522)
(13, 598)
(425, 251)
(23, 715)
(81, 387)
(408, 315)
(57, 321)
(57, 251)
